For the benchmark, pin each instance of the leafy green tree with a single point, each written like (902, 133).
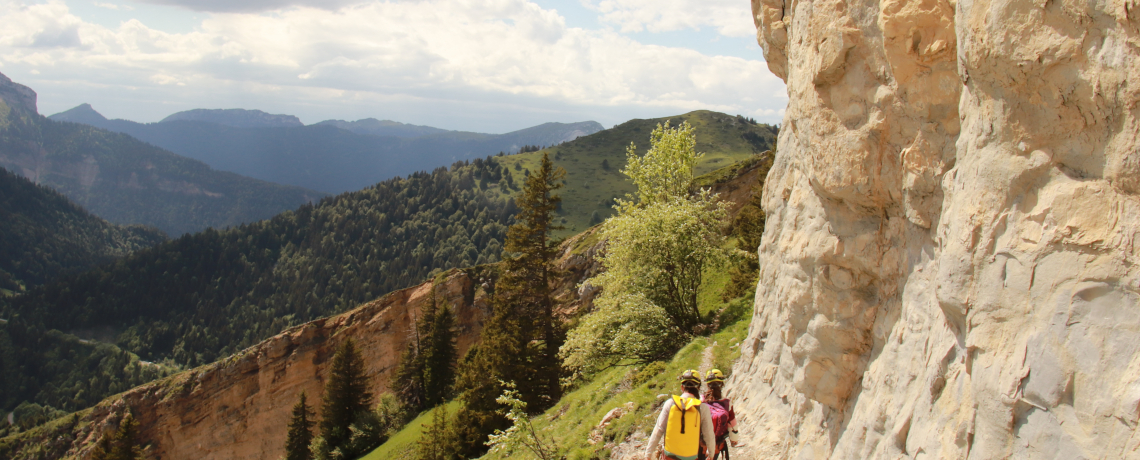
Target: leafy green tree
(658, 248)
(522, 434)
(300, 432)
(346, 397)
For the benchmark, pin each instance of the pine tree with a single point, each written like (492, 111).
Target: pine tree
(439, 361)
(520, 341)
(434, 444)
(426, 371)
(346, 395)
(525, 284)
(123, 446)
(103, 448)
(300, 432)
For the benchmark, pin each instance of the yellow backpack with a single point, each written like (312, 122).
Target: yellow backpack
(683, 433)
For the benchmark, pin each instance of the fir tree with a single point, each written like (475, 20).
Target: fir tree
(426, 371)
(103, 448)
(346, 396)
(434, 444)
(123, 446)
(520, 341)
(300, 432)
(439, 361)
(525, 284)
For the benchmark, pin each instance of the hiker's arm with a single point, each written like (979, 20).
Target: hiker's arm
(658, 430)
(707, 432)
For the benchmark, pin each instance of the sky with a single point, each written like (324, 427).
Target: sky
(489, 66)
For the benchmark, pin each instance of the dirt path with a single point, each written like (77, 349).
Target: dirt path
(707, 360)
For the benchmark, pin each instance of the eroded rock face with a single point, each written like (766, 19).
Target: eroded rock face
(948, 264)
(237, 408)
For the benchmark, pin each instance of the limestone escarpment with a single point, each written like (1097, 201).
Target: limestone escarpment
(948, 268)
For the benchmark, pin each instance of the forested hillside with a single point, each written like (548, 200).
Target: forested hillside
(332, 156)
(127, 181)
(203, 296)
(44, 235)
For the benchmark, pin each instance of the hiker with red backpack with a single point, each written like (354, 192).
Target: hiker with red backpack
(685, 423)
(720, 409)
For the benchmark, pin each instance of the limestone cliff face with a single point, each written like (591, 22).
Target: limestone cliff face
(237, 408)
(949, 264)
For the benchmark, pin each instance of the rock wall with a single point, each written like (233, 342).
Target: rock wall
(238, 408)
(948, 268)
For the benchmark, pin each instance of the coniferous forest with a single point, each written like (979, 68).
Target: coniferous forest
(204, 296)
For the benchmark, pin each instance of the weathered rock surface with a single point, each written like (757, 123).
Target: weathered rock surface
(236, 408)
(949, 264)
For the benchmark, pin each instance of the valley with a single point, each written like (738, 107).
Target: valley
(222, 291)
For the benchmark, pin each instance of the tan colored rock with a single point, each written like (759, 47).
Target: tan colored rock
(948, 266)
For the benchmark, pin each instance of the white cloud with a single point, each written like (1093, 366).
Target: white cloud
(458, 53)
(113, 6)
(249, 6)
(728, 17)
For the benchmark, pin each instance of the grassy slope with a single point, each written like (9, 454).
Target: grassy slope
(402, 444)
(574, 419)
(590, 187)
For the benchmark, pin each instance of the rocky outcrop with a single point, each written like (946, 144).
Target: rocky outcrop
(237, 408)
(948, 268)
(16, 96)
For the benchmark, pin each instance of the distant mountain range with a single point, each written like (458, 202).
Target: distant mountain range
(126, 181)
(332, 156)
(240, 118)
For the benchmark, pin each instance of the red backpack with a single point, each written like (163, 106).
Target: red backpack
(722, 414)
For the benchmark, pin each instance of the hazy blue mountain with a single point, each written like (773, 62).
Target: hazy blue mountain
(374, 127)
(332, 156)
(126, 181)
(83, 113)
(240, 118)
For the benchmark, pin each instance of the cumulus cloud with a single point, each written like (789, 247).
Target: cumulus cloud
(470, 51)
(249, 6)
(728, 17)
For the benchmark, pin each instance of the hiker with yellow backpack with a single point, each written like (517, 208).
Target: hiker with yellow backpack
(685, 423)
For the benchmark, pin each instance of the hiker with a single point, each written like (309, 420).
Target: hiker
(684, 422)
(720, 408)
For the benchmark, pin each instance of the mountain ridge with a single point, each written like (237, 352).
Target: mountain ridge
(239, 118)
(325, 156)
(125, 180)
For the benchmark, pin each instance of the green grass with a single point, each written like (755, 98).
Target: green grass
(571, 422)
(403, 443)
(725, 140)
